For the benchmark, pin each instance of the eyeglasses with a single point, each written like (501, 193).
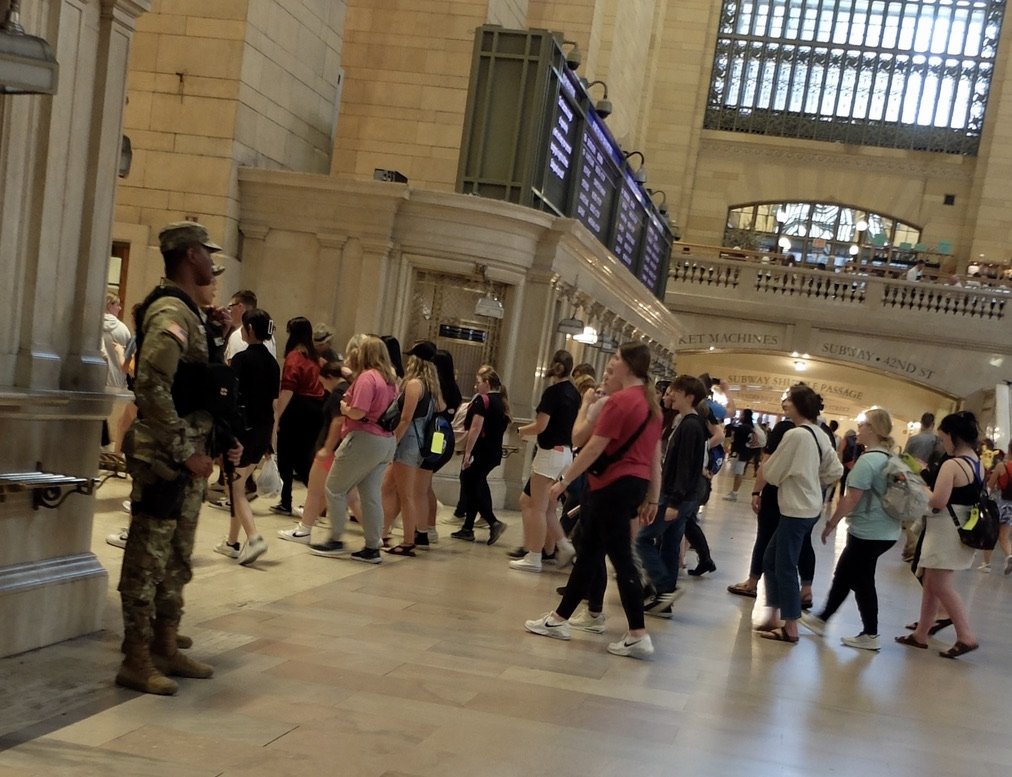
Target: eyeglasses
(231, 305)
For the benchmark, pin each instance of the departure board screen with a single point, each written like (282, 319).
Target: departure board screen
(563, 147)
(597, 179)
(630, 216)
(655, 256)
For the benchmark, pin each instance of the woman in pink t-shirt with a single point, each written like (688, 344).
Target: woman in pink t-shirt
(365, 451)
(628, 434)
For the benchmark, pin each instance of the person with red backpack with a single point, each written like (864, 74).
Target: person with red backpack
(1001, 482)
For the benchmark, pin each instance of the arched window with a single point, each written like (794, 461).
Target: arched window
(823, 234)
(896, 73)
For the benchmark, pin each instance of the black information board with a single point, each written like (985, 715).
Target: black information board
(588, 178)
(563, 146)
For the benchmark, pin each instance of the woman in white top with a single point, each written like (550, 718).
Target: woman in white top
(801, 466)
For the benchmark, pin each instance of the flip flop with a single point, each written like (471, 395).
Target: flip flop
(910, 641)
(957, 650)
(739, 590)
(778, 635)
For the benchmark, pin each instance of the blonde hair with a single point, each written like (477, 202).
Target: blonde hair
(882, 425)
(372, 354)
(418, 369)
(111, 297)
(583, 383)
(351, 352)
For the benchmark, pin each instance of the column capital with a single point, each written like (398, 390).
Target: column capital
(254, 231)
(125, 9)
(331, 239)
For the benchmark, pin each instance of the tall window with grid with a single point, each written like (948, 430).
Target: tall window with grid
(895, 73)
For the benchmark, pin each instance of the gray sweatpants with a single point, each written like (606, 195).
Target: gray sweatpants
(360, 460)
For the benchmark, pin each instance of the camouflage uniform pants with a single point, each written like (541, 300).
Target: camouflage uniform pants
(156, 565)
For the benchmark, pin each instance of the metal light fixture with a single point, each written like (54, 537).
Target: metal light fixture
(573, 58)
(588, 336)
(27, 63)
(570, 326)
(640, 173)
(126, 157)
(602, 107)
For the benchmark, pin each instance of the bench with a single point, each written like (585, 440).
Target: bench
(48, 489)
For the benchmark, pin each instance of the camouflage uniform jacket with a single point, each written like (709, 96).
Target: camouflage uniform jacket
(160, 438)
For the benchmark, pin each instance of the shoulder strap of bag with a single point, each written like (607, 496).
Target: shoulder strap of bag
(621, 450)
(811, 431)
(976, 482)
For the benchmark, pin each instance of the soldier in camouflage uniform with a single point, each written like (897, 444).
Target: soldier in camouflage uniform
(168, 459)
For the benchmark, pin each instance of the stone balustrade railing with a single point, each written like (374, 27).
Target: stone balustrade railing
(690, 270)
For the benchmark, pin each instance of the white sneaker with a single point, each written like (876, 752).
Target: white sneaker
(564, 553)
(126, 507)
(731, 496)
(583, 619)
(529, 563)
(254, 548)
(232, 551)
(862, 642)
(985, 568)
(221, 503)
(814, 624)
(641, 648)
(1008, 565)
(300, 511)
(547, 628)
(119, 539)
(433, 536)
(298, 533)
(480, 523)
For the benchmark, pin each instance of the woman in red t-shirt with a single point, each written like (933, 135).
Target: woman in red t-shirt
(628, 433)
(299, 410)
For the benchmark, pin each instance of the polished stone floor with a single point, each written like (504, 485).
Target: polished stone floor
(421, 667)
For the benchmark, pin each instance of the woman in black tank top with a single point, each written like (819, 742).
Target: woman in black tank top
(958, 485)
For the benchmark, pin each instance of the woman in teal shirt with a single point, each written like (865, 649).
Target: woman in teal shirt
(870, 532)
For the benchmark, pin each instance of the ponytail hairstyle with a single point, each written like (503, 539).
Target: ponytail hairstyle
(562, 365)
(443, 360)
(882, 425)
(259, 323)
(962, 427)
(637, 358)
(486, 372)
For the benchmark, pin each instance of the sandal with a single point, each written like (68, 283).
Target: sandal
(401, 550)
(738, 589)
(778, 635)
(807, 604)
(957, 650)
(941, 623)
(769, 626)
(911, 641)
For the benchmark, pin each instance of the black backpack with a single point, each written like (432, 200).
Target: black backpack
(980, 531)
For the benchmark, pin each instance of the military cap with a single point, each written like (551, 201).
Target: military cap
(183, 234)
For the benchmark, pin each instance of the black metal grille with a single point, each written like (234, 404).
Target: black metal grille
(911, 74)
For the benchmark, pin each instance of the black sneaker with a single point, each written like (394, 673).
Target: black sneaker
(467, 536)
(495, 532)
(281, 509)
(518, 552)
(368, 555)
(663, 612)
(550, 558)
(422, 540)
(330, 549)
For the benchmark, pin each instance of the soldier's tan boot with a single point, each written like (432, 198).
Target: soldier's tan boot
(167, 658)
(183, 643)
(138, 673)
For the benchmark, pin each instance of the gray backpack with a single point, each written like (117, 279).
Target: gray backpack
(906, 495)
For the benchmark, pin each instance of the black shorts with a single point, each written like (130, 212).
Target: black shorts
(255, 444)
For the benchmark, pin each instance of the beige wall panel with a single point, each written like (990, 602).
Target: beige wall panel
(509, 13)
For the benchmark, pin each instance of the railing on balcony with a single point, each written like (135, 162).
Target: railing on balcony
(711, 266)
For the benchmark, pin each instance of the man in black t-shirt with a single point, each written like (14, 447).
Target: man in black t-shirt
(741, 430)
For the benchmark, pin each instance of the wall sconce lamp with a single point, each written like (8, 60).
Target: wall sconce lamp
(662, 209)
(640, 173)
(573, 58)
(27, 64)
(571, 326)
(588, 336)
(602, 107)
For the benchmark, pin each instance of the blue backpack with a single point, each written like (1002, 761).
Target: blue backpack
(436, 437)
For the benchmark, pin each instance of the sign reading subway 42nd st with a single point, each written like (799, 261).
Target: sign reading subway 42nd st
(897, 364)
